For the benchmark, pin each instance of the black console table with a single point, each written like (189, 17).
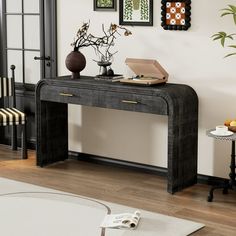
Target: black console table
(179, 102)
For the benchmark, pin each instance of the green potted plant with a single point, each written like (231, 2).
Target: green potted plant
(223, 36)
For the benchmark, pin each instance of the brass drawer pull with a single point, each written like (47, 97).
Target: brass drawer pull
(129, 101)
(66, 94)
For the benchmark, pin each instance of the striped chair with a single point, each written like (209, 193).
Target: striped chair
(10, 116)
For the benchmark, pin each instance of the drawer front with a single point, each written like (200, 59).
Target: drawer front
(68, 95)
(105, 99)
(135, 102)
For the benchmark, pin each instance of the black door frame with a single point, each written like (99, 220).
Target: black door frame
(48, 38)
(48, 32)
(3, 56)
(25, 93)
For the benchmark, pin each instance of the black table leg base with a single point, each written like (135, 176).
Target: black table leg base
(210, 197)
(225, 188)
(229, 184)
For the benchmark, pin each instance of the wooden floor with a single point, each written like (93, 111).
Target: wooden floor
(127, 187)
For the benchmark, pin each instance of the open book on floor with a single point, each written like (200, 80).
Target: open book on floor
(122, 221)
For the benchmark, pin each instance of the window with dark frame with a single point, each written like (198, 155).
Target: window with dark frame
(21, 38)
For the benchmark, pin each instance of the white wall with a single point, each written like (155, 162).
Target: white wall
(190, 57)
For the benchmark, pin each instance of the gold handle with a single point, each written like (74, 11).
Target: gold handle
(129, 101)
(66, 94)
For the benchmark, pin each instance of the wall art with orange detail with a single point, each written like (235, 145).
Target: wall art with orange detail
(176, 14)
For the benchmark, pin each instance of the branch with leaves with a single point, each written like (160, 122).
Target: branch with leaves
(102, 45)
(222, 36)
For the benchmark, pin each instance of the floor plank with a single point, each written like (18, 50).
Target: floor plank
(127, 187)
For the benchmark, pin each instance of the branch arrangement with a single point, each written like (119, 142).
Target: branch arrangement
(102, 45)
(222, 36)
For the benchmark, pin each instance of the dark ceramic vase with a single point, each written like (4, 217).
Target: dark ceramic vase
(75, 62)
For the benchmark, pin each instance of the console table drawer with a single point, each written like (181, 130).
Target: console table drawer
(135, 102)
(105, 99)
(68, 95)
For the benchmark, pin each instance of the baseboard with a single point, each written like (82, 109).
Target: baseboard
(210, 180)
(161, 171)
(118, 163)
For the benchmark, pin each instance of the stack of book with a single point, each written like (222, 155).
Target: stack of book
(111, 78)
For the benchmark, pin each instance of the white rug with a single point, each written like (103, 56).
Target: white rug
(30, 210)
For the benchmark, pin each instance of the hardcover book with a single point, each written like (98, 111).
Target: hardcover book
(111, 78)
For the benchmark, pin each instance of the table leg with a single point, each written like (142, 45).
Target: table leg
(224, 186)
(232, 174)
(182, 153)
(229, 184)
(52, 132)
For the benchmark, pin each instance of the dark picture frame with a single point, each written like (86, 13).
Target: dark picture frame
(176, 14)
(104, 5)
(136, 12)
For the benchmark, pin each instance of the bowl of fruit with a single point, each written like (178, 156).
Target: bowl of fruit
(231, 124)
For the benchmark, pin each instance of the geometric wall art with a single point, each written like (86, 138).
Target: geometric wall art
(176, 14)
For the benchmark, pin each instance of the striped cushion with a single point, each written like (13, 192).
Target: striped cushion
(11, 116)
(6, 87)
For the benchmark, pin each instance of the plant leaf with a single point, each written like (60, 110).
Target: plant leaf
(227, 9)
(231, 54)
(234, 16)
(214, 35)
(229, 36)
(217, 37)
(233, 8)
(222, 33)
(232, 46)
(222, 41)
(226, 13)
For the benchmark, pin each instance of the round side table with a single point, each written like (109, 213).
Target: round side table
(231, 183)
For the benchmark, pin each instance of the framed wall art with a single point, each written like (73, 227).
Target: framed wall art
(104, 5)
(176, 14)
(136, 12)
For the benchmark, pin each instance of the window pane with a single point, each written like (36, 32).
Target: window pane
(14, 32)
(32, 67)
(15, 58)
(31, 6)
(14, 6)
(32, 38)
